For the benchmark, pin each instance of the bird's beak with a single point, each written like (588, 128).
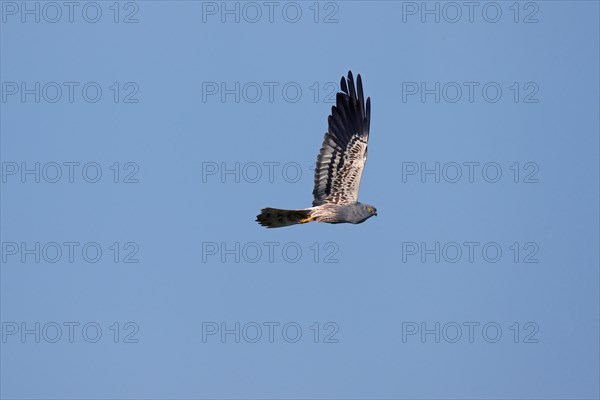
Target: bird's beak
(375, 213)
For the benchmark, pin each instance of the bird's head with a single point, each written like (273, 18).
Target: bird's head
(370, 209)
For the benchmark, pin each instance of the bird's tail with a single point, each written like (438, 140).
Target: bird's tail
(276, 218)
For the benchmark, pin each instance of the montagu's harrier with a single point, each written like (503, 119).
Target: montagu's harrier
(339, 166)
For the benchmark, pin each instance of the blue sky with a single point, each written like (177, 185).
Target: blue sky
(139, 141)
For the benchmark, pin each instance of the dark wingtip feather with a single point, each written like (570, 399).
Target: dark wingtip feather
(359, 86)
(361, 96)
(352, 92)
(343, 85)
(368, 117)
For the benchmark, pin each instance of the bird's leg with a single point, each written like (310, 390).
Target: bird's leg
(305, 220)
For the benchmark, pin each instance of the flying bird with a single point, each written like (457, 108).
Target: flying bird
(340, 164)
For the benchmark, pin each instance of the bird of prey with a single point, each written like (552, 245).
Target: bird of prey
(339, 166)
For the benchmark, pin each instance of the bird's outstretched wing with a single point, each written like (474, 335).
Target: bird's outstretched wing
(344, 152)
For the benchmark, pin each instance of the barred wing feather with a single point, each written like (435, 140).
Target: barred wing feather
(342, 158)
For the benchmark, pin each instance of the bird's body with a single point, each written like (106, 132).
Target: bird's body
(330, 213)
(339, 166)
